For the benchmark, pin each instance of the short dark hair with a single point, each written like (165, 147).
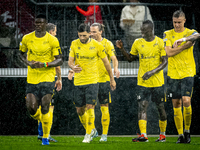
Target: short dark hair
(50, 26)
(84, 27)
(149, 23)
(41, 16)
(100, 26)
(178, 13)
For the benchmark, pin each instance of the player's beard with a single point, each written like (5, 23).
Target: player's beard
(84, 41)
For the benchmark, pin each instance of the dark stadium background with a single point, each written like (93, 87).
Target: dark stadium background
(15, 120)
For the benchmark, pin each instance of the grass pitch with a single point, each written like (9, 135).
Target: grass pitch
(75, 143)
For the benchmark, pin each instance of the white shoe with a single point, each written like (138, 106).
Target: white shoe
(103, 138)
(86, 138)
(94, 133)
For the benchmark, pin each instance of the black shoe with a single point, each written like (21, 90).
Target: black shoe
(187, 137)
(180, 140)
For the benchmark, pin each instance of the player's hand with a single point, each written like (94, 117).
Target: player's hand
(77, 69)
(147, 75)
(177, 42)
(70, 74)
(113, 84)
(119, 44)
(117, 73)
(58, 84)
(36, 64)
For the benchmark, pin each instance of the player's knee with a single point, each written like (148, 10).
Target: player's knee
(162, 112)
(186, 101)
(80, 111)
(31, 104)
(142, 106)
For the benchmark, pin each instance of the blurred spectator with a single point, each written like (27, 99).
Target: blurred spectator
(131, 20)
(89, 14)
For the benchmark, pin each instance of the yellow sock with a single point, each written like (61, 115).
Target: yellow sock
(143, 126)
(83, 119)
(46, 125)
(37, 115)
(51, 116)
(178, 119)
(90, 121)
(105, 119)
(187, 113)
(162, 125)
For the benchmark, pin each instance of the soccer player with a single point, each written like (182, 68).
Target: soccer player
(104, 96)
(180, 75)
(52, 29)
(150, 81)
(86, 52)
(43, 55)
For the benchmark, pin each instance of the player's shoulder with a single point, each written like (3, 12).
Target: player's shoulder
(159, 39)
(29, 35)
(51, 37)
(169, 31)
(191, 31)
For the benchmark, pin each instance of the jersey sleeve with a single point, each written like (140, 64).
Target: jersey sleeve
(101, 51)
(71, 50)
(56, 47)
(167, 41)
(134, 50)
(162, 48)
(111, 49)
(22, 45)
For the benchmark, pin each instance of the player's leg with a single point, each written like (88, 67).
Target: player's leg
(91, 99)
(80, 103)
(143, 98)
(82, 114)
(46, 91)
(45, 118)
(186, 91)
(162, 121)
(104, 97)
(158, 96)
(174, 93)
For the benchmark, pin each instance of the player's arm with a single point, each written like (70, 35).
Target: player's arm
(115, 65)
(58, 83)
(128, 56)
(22, 56)
(109, 70)
(148, 74)
(74, 67)
(191, 38)
(172, 51)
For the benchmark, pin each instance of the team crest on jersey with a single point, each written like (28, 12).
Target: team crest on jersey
(173, 37)
(142, 45)
(79, 48)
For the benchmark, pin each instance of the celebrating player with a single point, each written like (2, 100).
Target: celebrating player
(52, 29)
(180, 76)
(152, 59)
(43, 55)
(86, 52)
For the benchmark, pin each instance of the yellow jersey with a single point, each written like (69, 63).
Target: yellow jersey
(110, 51)
(183, 64)
(43, 50)
(87, 57)
(150, 54)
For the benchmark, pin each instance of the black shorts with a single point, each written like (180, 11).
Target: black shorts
(104, 95)
(176, 88)
(41, 89)
(85, 94)
(155, 94)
